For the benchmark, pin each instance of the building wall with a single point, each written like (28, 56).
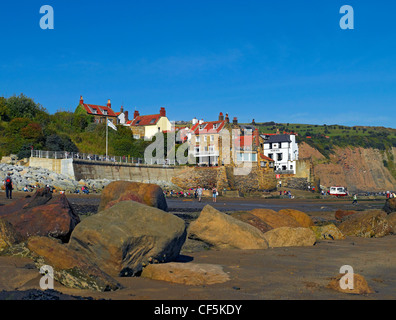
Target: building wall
(164, 125)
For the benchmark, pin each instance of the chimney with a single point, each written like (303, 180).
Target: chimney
(256, 137)
(122, 109)
(81, 100)
(135, 114)
(126, 116)
(221, 117)
(235, 121)
(194, 121)
(162, 112)
(109, 103)
(200, 121)
(253, 122)
(227, 119)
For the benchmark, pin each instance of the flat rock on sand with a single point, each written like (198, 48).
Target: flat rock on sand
(290, 237)
(186, 273)
(223, 231)
(275, 219)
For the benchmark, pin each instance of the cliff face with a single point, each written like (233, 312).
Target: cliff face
(358, 169)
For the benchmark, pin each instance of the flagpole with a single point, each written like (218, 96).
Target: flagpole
(107, 137)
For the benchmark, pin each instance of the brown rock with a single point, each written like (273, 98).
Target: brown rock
(42, 215)
(302, 218)
(342, 214)
(290, 237)
(366, 224)
(392, 221)
(275, 219)
(145, 193)
(223, 231)
(8, 235)
(327, 232)
(70, 268)
(186, 273)
(360, 285)
(390, 205)
(251, 219)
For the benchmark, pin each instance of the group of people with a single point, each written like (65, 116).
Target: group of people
(197, 193)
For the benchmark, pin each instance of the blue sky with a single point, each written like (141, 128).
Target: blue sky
(282, 61)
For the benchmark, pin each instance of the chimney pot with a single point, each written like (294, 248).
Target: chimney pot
(109, 103)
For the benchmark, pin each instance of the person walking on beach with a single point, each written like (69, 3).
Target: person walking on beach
(199, 193)
(8, 185)
(355, 199)
(214, 192)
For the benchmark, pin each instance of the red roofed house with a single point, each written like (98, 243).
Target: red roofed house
(147, 126)
(100, 113)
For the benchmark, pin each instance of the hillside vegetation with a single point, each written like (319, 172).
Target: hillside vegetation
(25, 124)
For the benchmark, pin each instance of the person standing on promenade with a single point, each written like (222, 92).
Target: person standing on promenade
(214, 192)
(8, 185)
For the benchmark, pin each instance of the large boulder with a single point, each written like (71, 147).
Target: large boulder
(275, 219)
(194, 274)
(223, 231)
(71, 269)
(251, 219)
(327, 232)
(129, 235)
(392, 221)
(366, 224)
(44, 214)
(146, 193)
(390, 205)
(301, 217)
(290, 237)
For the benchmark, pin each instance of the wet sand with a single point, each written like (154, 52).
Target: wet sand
(280, 273)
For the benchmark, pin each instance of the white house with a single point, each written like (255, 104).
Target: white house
(283, 149)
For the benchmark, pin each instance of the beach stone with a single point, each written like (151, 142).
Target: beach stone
(360, 285)
(251, 219)
(327, 232)
(342, 214)
(43, 214)
(194, 274)
(71, 269)
(301, 217)
(8, 235)
(275, 219)
(367, 224)
(223, 231)
(290, 237)
(124, 238)
(390, 205)
(146, 193)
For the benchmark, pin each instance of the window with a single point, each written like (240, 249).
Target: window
(254, 157)
(263, 164)
(279, 156)
(198, 139)
(271, 155)
(136, 136)
(205, 138)
(153, 121)
(137, 122)
(196, 149)
(212, 138)
(283, 167)
(291, 167)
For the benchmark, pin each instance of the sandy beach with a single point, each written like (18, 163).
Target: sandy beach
(296, 273)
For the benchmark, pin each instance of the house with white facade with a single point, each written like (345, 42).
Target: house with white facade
(283, 149)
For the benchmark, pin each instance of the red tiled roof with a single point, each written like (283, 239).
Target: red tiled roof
(262, 156)
(146, 120)
(208, 127)
(99, 110)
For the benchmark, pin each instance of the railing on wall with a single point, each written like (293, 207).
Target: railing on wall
(102, 158)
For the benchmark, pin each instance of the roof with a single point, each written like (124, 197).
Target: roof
(148, 120)
(244, 141)
(99, 110)
(277, 138)
(262, 156)
(208, 127)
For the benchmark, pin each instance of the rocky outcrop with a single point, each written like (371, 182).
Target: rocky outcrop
(8, 235)
(390, 205)
(223, 231)
(44, 214)
(251, 219)
(290, 237)
(194, 274)
(367, 224)
(343, 214)
(146, 193)
(123, 239)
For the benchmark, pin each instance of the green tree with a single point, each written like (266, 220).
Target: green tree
(24, 107)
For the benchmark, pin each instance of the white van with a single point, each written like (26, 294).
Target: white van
(338, 191)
